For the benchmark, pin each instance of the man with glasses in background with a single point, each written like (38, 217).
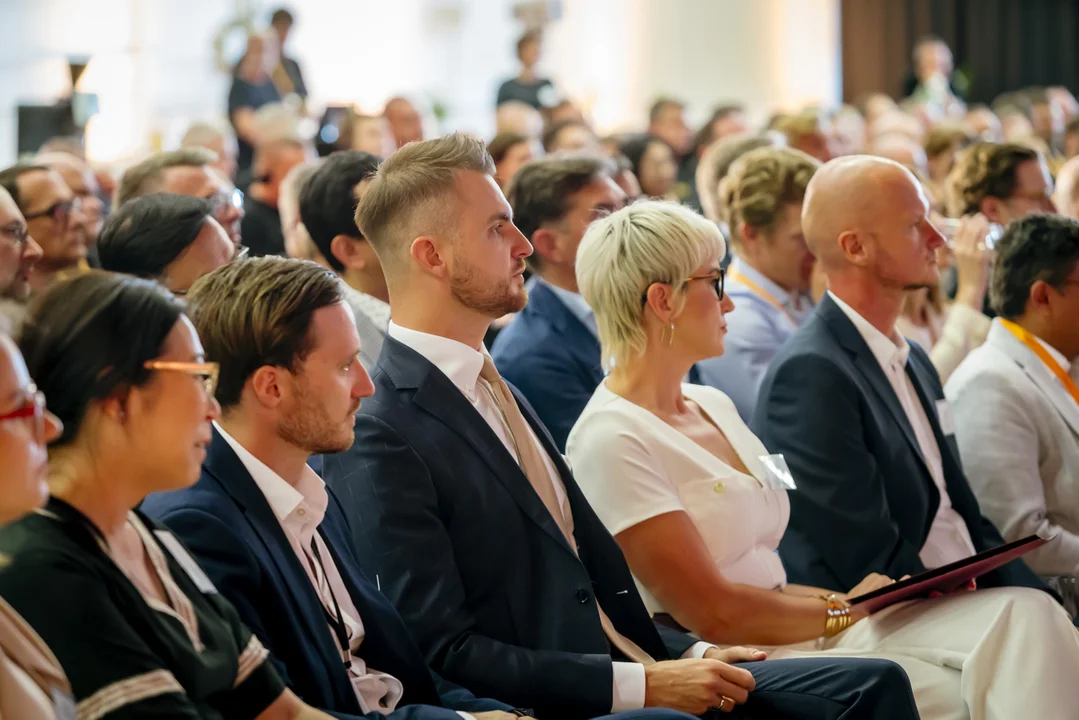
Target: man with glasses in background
(18, 255)
(53, 216)
(187, 171)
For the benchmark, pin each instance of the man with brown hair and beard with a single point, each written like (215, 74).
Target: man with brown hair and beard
(460, 501)
(265, 530)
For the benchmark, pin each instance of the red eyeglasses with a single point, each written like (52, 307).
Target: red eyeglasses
(32, 407)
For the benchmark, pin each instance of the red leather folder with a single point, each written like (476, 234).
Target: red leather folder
(947, 578)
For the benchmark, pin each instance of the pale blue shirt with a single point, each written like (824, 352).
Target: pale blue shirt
(574, 302)
(755, 332)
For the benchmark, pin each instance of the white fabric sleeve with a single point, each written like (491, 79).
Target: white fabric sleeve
(629, 687)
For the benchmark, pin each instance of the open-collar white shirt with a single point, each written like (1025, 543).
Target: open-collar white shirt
(462, 365)
(949, 538)
(300, 510)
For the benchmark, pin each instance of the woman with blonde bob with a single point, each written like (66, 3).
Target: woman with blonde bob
(684, 486)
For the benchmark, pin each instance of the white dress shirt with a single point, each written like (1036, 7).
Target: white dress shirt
(462, 365)
(300, 510)
(948, 539)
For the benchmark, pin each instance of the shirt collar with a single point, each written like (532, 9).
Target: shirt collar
(781, 296)
(575, 302)
(889, 351)
(460, 363)
(286, 501)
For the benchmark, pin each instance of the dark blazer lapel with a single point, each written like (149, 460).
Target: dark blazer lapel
(580, 341)
(849, 337)
(223, 466)
(437, 395)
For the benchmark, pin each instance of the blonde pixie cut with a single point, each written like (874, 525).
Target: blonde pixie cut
(622, 254)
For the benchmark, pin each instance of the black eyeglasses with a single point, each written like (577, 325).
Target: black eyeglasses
(18, 232)
(59, 211)
(718, 279)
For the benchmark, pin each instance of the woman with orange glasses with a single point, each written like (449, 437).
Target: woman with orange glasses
(137, 627)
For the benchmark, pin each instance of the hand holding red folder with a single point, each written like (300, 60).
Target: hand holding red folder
(947, 578)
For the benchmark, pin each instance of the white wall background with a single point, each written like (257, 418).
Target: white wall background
(153, 64)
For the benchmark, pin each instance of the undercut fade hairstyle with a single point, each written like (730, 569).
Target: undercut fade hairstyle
(411, 192)
(759, 185)
(258, 312)
(1037, 247)
(328, 199)
(624, 253)
(89, 337)
(147, 234)
(541, 190)
(148, 176)
(984, 169)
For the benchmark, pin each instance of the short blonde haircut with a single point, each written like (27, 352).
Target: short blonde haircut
(410, 194)
(622, 254)
(760, 183)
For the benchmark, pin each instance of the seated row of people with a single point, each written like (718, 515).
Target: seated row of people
(450, 499)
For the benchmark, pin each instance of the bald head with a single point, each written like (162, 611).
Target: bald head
(850, 194)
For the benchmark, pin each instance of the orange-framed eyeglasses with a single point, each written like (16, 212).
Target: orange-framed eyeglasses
(207, 371)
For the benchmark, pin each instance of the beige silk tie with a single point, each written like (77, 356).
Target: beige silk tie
(528, 455)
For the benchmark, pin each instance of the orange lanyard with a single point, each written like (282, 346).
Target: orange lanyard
(760, 292)
(1038, 349)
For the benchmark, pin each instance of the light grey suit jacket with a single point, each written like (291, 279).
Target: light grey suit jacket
(371, 334)
(1018, 434)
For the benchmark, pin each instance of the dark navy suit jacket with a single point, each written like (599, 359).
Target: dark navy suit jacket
(492, 592)
(228, 525)
(865, 500)
(548, 354)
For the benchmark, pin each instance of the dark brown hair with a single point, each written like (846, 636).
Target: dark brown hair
(258, 312)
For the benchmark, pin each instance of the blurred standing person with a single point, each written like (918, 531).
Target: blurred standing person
(220, 141)
(405, 121)
(528, 87)
(287, 75)
(252, 87)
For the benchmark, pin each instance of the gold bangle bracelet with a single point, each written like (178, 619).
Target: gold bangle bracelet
(838, 618)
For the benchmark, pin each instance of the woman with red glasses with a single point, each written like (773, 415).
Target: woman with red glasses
(137, 627)
(30, 677)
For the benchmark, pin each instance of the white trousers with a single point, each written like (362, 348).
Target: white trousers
(995, 654)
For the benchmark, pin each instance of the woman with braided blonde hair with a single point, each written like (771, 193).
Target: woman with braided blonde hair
(771, 276)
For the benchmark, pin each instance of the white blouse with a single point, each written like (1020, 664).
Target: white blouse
(633, 466)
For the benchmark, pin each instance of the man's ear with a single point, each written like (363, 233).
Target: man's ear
(266, 384)
(545, 245)
(344, 249)
(994, 210)
(431, 254)
(852, 246)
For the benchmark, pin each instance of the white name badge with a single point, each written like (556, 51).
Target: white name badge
(777, 475)
(63, 705)
(184, 560)
(946, 417)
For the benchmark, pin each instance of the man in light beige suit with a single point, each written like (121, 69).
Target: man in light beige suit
(1016, 402)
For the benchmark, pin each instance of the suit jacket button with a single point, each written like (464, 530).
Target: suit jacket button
(582, 596)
